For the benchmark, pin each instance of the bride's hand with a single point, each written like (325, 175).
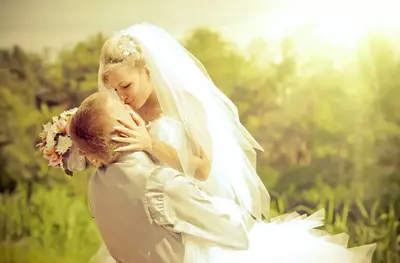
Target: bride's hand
(135, 136)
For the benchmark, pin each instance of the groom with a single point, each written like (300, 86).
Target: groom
(142, 210)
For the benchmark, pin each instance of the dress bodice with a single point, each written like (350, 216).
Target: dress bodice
(173, 133)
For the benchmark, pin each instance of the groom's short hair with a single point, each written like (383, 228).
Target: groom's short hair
(91, 127)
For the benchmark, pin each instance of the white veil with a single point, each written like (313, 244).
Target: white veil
(187, 94)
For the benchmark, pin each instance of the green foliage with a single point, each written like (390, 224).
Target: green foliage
(365, 223)
(329, 125)
(53, 226)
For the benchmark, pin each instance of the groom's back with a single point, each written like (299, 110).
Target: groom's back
(116, 200)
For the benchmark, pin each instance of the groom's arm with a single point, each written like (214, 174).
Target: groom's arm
(177, 204)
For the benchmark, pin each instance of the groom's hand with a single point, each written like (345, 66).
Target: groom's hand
(135, 136)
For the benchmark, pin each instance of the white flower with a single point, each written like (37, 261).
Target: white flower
(63, 145)
(72, 111)
(50, 142)
(47, 127)
(54, 128)
(67, 113)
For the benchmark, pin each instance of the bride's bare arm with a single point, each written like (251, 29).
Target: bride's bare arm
(168, 155)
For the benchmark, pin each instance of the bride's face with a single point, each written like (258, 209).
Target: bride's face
(133, 85)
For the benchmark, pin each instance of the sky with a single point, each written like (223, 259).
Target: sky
(36, 24)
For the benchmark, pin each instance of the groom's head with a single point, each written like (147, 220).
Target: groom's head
(92, 127)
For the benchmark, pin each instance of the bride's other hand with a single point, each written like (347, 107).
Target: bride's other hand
(135, 136)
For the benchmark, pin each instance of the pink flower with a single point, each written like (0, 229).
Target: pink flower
(41, 145)
(55, 160)
(47, 153)
(52, 156)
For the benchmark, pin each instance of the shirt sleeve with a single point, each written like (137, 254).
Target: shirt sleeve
(177, 204)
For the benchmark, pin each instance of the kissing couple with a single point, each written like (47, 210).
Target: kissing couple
(176, 176)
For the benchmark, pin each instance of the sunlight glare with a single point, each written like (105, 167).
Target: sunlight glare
(340, 22)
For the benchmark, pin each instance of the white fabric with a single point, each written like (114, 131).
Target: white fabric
(209, 118)
(171, 131)
(287, 239)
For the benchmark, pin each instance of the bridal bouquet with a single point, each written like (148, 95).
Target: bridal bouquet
(56, 144)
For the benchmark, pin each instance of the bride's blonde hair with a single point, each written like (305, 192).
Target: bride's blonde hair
(120, 49)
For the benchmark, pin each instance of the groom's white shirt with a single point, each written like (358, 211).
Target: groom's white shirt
(144, 210)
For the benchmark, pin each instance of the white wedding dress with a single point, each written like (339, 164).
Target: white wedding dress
(285, 239)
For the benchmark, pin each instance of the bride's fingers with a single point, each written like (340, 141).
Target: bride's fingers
(125, 131)
(124, 123)
(124, 135)
(138, 120)
(128, 148)
(124, 140)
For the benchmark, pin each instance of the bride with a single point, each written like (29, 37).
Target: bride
(187, 123)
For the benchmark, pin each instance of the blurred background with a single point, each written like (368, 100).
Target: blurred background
(316, 82)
